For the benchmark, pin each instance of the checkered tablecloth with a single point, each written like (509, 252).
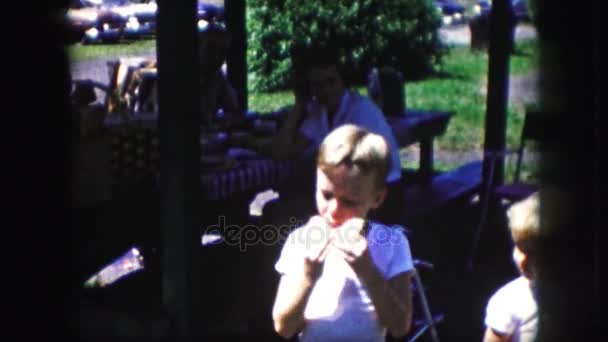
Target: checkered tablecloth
(135, 155)
(247, 175)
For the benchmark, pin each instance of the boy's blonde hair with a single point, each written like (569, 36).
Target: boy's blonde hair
(356, 147)
(524, 223)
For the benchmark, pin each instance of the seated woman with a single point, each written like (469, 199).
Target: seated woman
(323, 101)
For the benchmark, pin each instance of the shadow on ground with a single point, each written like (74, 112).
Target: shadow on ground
(240, 285)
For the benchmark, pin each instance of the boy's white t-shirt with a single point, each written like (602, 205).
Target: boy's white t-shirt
(339, 308)
(512, 310)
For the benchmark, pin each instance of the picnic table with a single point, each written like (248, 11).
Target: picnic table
(421, 126)
(135, 154)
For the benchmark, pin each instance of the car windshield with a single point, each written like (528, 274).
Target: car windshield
(116, 2)
(84, 3)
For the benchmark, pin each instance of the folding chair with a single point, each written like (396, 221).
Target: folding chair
(537, 127)
(144, 97)
(115, 102)
(130, 88)
(427, 321)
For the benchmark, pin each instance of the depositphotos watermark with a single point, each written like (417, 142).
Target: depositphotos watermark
(244, 236)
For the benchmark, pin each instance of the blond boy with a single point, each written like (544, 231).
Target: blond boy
(512, 312)
(344, 277)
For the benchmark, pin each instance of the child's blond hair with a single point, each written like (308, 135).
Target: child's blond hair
(356, 147)
(524, 223)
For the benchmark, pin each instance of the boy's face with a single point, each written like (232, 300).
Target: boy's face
(521, 261)
(344, 193)
(326, 86)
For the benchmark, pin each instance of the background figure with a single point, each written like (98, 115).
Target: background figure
(512, 312)
(91, 178)
(90, 115)
(216, 93)
(387, 89)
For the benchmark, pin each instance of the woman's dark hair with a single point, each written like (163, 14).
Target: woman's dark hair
(305, 57)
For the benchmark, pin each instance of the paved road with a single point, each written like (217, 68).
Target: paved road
(461, 35)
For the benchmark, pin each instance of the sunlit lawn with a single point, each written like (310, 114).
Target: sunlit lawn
(458, 87)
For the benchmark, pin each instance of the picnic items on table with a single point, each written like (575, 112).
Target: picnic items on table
(129, 263)
(256, 207)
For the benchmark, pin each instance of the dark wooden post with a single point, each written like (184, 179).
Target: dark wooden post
(501, 42)
(426, 160)
(179, 133)
(501, 38)
(571, 96)
(237, 56)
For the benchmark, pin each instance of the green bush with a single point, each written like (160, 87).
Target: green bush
(400, 33)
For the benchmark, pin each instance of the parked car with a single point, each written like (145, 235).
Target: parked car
(92, 21)
(142, 15)
(209, 12)
(520, 9)
(451, 10)
(482, 7)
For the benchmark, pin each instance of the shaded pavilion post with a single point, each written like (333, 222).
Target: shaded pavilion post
(237, 55)
(501, 43)
(179, 132)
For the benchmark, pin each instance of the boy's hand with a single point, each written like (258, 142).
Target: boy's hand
(352, 227)
(351, 244)
(318, 245)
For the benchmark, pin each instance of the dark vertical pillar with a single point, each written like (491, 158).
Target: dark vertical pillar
(571, 94)
(501, 40)
(237, 56)
(179, 154)
(426, 160)
(37, 171)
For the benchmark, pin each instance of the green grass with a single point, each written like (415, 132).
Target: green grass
(525, 57)
(268, 102)
(459, 87)
(79, 52)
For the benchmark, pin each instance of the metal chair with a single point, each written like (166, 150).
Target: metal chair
(130, 87)
(427, 320)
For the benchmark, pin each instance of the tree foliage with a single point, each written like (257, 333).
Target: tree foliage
(400, 33)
